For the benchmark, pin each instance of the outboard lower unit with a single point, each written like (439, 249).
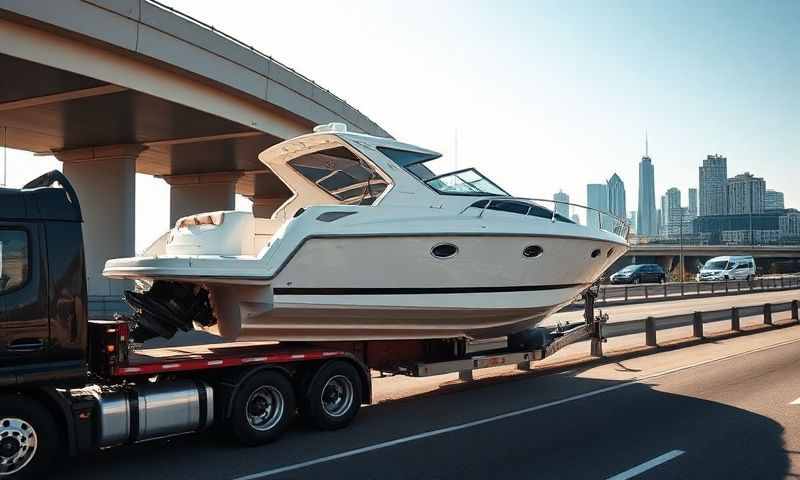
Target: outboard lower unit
(168, 307)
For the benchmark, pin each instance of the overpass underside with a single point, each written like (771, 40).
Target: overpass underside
(105, 133)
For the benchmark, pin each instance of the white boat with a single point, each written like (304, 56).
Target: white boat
(371, 245)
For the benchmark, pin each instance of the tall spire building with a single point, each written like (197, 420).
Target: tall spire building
(646, 215)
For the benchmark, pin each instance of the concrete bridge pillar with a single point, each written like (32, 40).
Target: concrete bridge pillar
(201, 192)
(105, 181)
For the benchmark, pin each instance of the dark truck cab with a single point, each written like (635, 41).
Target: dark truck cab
(43, 311)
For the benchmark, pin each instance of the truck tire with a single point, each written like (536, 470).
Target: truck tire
(263, 407)
(333, 397)
(29, 438)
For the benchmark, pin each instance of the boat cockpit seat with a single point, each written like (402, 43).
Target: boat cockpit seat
(228, 233)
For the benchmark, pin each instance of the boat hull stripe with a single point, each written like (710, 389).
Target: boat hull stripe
(422, 291)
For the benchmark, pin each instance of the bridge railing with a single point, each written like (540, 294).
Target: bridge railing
(242, 44)
(618, 294)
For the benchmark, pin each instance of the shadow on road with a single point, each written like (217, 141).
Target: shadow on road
(592, 437)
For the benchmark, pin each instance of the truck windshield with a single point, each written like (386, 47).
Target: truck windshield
(717, 265)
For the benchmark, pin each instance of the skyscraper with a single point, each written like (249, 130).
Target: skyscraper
(746, 194)
(774, 200)
(561, 208)
(597, 198)
(632, 221)
(616, 196)
(673, 198)
(647, 220)
(713, 185)
(693, 202)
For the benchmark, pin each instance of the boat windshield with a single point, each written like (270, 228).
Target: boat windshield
(462, 182)
(465, 182)
(342, 175)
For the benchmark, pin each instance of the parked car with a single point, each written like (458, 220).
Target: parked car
(647, 273)
(728, 268)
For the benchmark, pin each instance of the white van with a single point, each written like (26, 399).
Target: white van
(728, 268)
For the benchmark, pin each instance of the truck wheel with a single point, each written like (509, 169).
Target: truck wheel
(29, 438)
(262, 408)
(333, 397)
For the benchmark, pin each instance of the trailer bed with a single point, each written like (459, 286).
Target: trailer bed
(220, 355)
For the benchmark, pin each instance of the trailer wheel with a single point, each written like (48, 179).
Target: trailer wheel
(28, 437)
(333, 397)
(262, 408)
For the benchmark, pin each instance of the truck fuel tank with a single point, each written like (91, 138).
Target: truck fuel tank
(154, 410)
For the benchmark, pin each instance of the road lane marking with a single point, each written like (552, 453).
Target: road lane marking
(475, 423)
(650, 464)
(796, 402)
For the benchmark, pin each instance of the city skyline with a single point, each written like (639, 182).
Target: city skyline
(743, 193)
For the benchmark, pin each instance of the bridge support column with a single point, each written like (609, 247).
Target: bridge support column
(105, 181)
(201, 192)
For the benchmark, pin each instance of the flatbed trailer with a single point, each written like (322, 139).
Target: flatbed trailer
(253, 390)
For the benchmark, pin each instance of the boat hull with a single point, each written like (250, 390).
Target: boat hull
(390, 317)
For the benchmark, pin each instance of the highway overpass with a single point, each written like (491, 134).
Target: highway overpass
(769, 258)
(758, 251)
(116, 87)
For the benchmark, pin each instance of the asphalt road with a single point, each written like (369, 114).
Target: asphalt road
(716, 410)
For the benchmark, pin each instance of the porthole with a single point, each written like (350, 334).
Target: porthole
(610, 252)
(595, 253)
(532, 251)
(444, 250)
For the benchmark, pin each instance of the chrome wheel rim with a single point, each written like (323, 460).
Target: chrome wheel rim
(18, 442)
(337, 395)
(264, 408)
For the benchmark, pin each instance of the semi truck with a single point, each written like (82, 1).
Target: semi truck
(70, 385)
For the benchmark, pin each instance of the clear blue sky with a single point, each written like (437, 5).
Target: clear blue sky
(546, 95)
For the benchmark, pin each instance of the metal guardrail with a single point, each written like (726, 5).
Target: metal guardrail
(619, 294)
(651, 325)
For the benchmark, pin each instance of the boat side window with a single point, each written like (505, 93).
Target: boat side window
(13, 260)
(522, 208)
(341, 174)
